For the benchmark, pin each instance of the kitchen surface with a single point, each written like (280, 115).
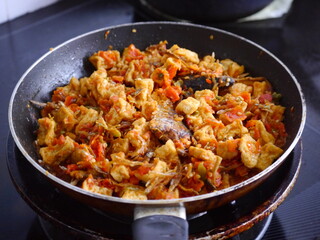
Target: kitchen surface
(293, 37)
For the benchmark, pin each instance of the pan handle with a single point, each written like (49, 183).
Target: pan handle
(159, 223)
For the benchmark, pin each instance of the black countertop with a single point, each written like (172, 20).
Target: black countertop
(294, 38)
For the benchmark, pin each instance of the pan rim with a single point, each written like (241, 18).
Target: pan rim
(249, 181)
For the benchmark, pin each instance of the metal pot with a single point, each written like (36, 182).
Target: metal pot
(69, 59)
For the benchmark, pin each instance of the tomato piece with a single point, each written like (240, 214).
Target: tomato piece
(257, 134)
(172, 70)
(173, 93)
(233, 114)
(71, 167)
(246, 97)
(214, 123)
(58, 95)
(209, 81)
(132, 53)
(143, 170)
(251, 123)
(106, 183)
(69, 100)
(134, 180)
(161, 77)
(98, 147)
(110, 58)
(59, 141)
(166, 83)
(279, 128)
(74, 107)
(268, 127)
(267, 97)
(233, 145)
(117, 79)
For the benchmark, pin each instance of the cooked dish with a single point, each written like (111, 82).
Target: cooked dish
(161, 123)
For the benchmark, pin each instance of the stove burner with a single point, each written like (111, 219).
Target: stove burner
(59, 214)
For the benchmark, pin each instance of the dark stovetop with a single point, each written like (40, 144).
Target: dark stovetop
(294, 38)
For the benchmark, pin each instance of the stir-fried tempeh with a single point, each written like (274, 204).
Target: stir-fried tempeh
(160, 123)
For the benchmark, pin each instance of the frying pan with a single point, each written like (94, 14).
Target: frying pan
(162, 218)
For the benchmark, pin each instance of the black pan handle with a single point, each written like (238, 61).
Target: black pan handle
(164, 223)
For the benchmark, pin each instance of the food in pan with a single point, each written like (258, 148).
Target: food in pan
(161, 123)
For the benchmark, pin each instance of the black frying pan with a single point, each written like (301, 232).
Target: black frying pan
(70, 59)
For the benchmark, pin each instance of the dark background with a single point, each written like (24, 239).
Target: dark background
(294, 38)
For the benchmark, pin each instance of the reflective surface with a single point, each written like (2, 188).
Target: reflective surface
(295, 39)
